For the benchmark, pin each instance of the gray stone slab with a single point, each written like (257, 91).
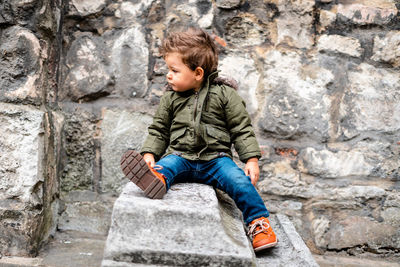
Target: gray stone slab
(185, 228)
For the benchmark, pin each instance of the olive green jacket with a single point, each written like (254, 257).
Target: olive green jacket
(202, 125)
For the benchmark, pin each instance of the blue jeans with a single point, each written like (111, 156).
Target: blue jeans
(221, 173)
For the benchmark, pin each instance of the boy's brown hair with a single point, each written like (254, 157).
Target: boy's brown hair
(196, 47)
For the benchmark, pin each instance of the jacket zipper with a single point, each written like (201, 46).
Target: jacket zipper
(196, 98)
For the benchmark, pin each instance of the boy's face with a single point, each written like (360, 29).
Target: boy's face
(180, 77)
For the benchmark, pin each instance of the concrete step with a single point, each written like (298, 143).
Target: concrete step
(193, 225)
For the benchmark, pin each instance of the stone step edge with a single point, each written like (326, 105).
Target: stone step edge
(295, 239)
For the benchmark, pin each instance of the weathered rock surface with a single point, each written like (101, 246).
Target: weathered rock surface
(295, 102)
(340, 44)
(387, 49)
(320, 79)
(79, 147)
(85, 211)
(374, 12)
(120, 130)
(21, 65)
(192, 226)
(87, 76)
(23, 177)
(186, 226)
(249, 77)
(371, 98)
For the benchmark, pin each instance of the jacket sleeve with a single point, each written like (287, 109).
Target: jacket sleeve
(240, 127)
(157, 140)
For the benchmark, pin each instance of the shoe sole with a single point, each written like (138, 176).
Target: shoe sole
(270, 245)
(137, 171)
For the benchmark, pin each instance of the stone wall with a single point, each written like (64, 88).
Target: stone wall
(30, 131)
(320, 78)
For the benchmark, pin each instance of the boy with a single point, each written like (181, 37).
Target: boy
(196, 123)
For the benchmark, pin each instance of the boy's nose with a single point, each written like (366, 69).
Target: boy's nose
(169, 75)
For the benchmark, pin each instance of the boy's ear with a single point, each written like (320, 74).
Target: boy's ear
(199, 72)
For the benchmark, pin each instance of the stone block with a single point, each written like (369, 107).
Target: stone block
(85, 8)
(326, 19)
(328, 164)
(245, 29)
(371, 101)
(86, 211)
(349, 230)
(249, 77)
(295, 30)
(20, 65)
(121, 130)
(368, 12)
(228, 4)
(79, 146)
(86, 76)
(22, 179)
(295, 102)
(185, 228)
(387, 48)
(340, 44)
(129, 60)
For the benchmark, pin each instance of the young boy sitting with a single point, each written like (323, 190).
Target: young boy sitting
(196, 123)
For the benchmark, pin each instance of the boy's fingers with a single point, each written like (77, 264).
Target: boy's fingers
(151, 163)
(254, 178)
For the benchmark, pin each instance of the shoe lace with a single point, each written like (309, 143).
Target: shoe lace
(258, 227)
(157, 167)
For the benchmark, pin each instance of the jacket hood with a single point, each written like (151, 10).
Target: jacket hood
(229, 81)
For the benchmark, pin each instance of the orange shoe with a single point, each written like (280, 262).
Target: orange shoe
(148, 179)
(261, 234)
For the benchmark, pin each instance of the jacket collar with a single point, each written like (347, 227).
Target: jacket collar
(210, 79)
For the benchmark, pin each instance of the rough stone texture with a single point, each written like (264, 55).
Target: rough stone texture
(371, 98)
(121, 130)
(79, 145)
(85, 211)
(129, 59)
(186, 225)
(87, 76)
(209, 232)
(368, 12)
(228, 3)
(340, 164)
(387, 49)
(85, 8)
(295, 23)
(340, 44)
(115, 64)
(320, 79)
(295, 103)
(291, 250)
(73, 249)
(23, 177)
(21, 65)
(247, 77)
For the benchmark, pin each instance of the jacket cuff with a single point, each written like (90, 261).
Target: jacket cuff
(244, 157)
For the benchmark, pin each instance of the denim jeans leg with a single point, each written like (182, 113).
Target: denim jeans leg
(174, 168)
(233, 181)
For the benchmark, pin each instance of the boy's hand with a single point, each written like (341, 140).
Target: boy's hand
(149, 159)
(251, 169)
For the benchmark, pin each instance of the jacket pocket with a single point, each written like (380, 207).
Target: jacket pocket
(219, 135)
(175, 135)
